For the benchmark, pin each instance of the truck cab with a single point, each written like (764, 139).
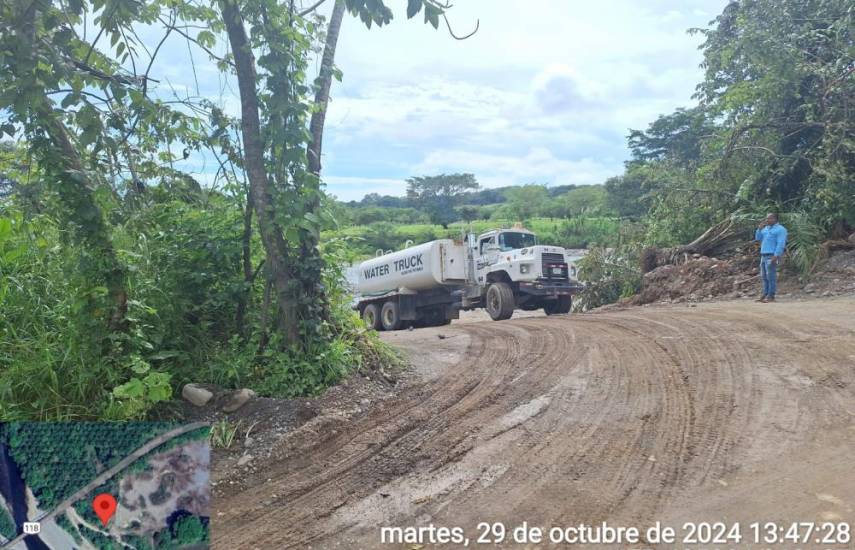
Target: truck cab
(510, 269)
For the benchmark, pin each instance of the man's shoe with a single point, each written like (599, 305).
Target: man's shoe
(761, 299)
(769, 299)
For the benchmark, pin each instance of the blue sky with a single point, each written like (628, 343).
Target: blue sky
(545, 92)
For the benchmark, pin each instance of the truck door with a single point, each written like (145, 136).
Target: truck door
(488, 254)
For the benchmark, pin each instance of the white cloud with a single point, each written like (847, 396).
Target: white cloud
(537, 165)
(545, 91)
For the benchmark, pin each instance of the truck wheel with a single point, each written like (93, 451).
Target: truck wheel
(559, 306)
(371, 316)
(389, 316)
(500, 301)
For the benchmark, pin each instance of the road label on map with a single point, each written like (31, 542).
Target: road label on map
(104, 506)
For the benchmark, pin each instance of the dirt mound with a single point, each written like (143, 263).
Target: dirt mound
(700, 278)
(835, 276)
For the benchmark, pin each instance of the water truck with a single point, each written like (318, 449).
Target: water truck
(501, 270)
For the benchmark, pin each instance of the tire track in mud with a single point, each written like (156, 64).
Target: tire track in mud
(552, 420)
(421, 422)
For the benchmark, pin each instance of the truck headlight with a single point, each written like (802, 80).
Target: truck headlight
(525, 268)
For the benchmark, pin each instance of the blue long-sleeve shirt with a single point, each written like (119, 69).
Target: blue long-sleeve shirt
(773, 239)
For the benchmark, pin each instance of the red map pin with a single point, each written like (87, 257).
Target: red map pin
(104, 506)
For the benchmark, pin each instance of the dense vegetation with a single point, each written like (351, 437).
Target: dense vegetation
(184, 530)
(58, 458)
(122, 277)
(567, 215)
(772, 131)
(8, 529)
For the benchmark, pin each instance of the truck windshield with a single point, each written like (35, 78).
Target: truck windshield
(512, 241)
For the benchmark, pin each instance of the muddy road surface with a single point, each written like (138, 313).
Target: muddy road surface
(729, 411)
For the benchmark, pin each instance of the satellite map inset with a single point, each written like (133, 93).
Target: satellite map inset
(104, 485)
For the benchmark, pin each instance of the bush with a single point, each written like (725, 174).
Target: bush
(186, 284)
(609, 275)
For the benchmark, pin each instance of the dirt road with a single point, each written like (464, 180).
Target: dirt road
(730, 411)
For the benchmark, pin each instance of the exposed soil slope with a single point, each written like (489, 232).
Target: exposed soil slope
(700, 278)
(730, 410)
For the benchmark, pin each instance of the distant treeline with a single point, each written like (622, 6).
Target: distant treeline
(511, 203)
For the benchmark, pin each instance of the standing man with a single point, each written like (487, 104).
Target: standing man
(773, 238)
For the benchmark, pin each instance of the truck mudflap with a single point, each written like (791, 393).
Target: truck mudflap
(551, 288)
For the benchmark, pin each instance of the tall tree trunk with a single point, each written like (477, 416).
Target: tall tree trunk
(246, 253)
(75, 189)
(310, 256)
(322, 95)
(259, 186)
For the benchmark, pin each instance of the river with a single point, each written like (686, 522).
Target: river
(14, 493)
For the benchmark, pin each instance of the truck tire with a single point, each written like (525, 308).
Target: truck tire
(500, 301)
(390, 317)
(559, 306)
(371, 316)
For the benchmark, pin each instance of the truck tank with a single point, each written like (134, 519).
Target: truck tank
(423, 267)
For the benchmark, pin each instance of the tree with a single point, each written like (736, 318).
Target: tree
(780, 75)
(103, 111)
(323, 84)
(626, 194)
(468, 212)
(284, 186)
(579, 201)
(678, 137)
(526, 201)
(438, 195)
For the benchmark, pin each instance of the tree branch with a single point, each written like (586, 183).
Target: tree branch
(311, 8)
(451, 32)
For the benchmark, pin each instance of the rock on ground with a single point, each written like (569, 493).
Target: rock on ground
(238, 399)
(196, 394)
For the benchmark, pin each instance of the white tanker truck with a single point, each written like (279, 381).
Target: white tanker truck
(500, 270)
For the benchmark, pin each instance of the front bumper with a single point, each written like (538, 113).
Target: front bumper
(551, 288)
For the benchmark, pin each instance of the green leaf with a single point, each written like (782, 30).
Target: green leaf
(12, 255)
(139, 366)
(158, 386)
(413, 8)
(5, 228)
(132, 389)
(206, 38)
(432, 15)
(69, 100)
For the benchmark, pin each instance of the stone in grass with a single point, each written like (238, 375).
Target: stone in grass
(238, 399)
(196, 394)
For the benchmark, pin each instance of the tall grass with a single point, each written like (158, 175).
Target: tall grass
(184, 281)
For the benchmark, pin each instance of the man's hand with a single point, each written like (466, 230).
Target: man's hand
(762, 225)
(775, 259)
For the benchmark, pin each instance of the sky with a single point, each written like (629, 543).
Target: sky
(545, 92)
